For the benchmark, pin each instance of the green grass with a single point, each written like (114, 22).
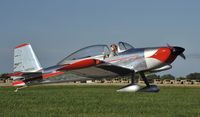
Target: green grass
(98, 101)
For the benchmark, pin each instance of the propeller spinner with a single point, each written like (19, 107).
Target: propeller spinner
(178, 51)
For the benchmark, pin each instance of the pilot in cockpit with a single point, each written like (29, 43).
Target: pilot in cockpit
(114, 50)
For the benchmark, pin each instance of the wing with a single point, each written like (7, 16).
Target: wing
(101, 71)
(95, 69)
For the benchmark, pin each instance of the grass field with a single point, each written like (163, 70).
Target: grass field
(98, 101)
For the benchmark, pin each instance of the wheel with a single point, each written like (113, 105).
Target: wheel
(151, 88)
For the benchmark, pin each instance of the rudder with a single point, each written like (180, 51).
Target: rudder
(25, 59)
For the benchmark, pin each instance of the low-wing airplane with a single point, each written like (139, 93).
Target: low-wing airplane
(96, 62)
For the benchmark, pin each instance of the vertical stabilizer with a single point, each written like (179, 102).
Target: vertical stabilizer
(25, 59)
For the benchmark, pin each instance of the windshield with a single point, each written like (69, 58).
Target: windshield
(89, 52)
(124, 46)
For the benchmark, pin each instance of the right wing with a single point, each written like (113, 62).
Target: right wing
(104, 70)
(93, 68)
(96, 71)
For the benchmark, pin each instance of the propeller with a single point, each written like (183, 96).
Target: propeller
(193, 56)
(183, 56)
(178, 51)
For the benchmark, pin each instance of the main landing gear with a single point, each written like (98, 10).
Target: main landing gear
(17, 89)
(136, 88)
(148, 88)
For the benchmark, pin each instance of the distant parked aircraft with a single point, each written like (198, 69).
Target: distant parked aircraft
(96, 62)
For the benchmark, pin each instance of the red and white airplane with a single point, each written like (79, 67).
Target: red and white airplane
(96, 62)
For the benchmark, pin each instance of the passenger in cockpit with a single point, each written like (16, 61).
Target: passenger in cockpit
(114, 50)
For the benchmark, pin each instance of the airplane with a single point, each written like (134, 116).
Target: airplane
(96, 62)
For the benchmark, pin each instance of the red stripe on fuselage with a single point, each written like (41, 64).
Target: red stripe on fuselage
(15, 74)
(80, 64)
(51, 74)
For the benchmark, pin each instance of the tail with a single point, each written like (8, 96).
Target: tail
(25, 59)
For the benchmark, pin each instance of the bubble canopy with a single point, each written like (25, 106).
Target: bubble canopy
(94, 50)
(124, 46)
(89, 51)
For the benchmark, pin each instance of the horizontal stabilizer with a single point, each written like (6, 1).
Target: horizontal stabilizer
(18, 83)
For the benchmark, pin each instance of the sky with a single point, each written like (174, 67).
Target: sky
(56, 28)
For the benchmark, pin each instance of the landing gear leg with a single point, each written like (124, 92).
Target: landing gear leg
(17, 89)
(131, 87)
(144, 79)
(148, 88)
(133, 77)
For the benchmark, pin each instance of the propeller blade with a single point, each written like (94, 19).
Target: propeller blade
(182, 56)
(193, 56)
(169, 46)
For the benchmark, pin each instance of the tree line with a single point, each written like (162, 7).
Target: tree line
(191, 76)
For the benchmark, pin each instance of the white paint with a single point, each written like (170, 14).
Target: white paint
(20, 84)
(25, 60)
(149, 53)
(131, 88)
(152, 63)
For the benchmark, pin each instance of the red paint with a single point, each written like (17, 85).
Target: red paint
(52, 74)
(18, 83)
(80, 64)
(98, 62)
(163, 54)
(15, 74)
(22, 45)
